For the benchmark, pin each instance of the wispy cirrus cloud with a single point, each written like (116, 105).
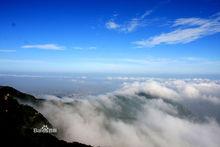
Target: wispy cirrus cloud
(7, 51)
(84, 48)
(44, 46)
(130, 25)
(21, 61)
(185, 30)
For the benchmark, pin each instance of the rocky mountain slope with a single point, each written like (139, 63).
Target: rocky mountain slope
(17, 122)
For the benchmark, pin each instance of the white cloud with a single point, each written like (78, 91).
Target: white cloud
(124, 78)
(80, 79)
(20, 76)
(188, 30)
(45, 46)
(111, 25)
(153, 88)
(85, 48)
(178, 90)
(19, 61)
(54, 98)
(146, 14)
(129, 26)
(7, 51)
(125, 119)
(190, 22)
(92, 47)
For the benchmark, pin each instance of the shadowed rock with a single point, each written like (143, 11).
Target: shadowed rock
(17, 122)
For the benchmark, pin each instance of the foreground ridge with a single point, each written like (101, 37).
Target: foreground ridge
(17, 122)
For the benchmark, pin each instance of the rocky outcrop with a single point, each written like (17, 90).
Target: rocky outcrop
(17, 122)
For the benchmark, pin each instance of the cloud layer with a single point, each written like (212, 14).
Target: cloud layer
(177, 90)
(139, 114)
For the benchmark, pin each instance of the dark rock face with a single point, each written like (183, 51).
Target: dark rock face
(4, 90)
(17, 122)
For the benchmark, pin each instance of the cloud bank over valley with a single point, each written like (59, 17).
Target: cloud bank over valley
(140, 113)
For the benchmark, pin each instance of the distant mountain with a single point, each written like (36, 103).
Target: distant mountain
(17, 122)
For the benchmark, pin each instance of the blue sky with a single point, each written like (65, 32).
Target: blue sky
(109, 36)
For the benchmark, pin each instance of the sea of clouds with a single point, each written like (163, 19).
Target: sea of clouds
(143, 112)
